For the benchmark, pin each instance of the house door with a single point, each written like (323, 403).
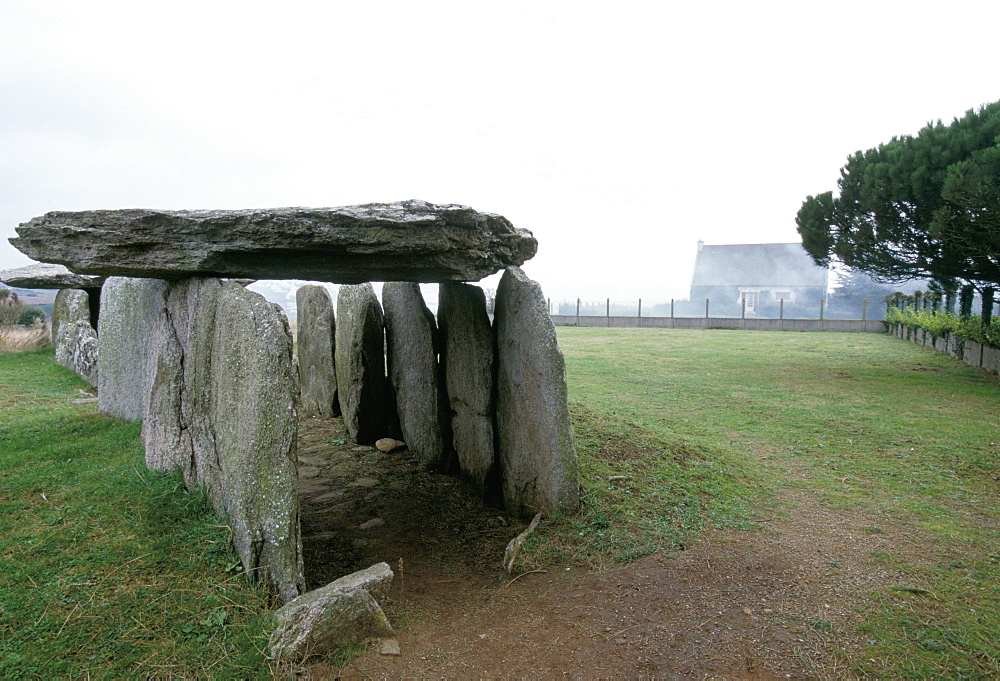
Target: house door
(749, 301)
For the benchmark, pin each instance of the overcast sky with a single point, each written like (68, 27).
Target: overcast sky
(618, 133)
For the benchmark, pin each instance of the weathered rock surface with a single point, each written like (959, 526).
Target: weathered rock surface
(222, 409)
(71, 305)
(412, 367)
(467, 358)
(255, 394)
(45, 275)
(130, 309)
(534, 437)
(360, 354)
(344, 611)
(404, 241)
(76, 349)
(179, 425)
(316, 338)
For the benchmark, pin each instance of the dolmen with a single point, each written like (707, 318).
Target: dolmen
(208, 367)
(75, 313)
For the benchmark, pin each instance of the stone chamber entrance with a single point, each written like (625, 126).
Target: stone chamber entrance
(359, 506)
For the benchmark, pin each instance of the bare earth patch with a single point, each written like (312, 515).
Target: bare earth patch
(780, 602)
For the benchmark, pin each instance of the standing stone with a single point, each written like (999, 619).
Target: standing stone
(360, 364)
(534, 436)
(179, 425)
(467, 358)
(129, 311)
(255, 394)
(76, 349)
(71, 305)
(316, 337)
(411, 354)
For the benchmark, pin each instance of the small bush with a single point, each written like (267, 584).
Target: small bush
(31, 315)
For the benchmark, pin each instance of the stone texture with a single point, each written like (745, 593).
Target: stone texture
(130, 308)
(179, 424)
(344, 611)
(467, 359)
(45, 275)
(222, 409)
(77, 349)
(360, 363)
(404, 241)
(71, 305)
(388, 444)
(534, 436)
(255, 394)
(412, 367)
(316, 337)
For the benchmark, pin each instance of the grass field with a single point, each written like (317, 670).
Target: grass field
(705, 426)
(109, 570)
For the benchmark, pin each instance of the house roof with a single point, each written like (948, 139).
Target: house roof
(763, 265)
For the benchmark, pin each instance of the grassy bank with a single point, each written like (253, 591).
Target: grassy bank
(108, 570)
(681, 429)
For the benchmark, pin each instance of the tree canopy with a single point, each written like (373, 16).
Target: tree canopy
(923, 206)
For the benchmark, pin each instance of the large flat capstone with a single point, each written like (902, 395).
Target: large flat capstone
(47, 276)
(404, 241)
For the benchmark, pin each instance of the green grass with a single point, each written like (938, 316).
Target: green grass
(709, 425)
(108, 570)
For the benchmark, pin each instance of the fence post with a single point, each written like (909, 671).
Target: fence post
(607, 314)
(781, 314)
(821, 302)
(743, 312)
(864, 314)
(548, 301)
(671, 313)
(706, 313)
(578, 312)
(640, 313)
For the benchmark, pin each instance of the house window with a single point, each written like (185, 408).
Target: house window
(783, 295)
(749, 300)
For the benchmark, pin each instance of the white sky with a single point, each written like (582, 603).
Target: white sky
(618, 133)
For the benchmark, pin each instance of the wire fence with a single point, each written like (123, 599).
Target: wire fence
(820, 315)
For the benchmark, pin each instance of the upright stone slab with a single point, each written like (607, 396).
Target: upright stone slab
(76, 349)
(71, 305)
(534, 436)
(316, 338)
(179, 426)
(361, 383)
(467, 359)
(412, 362)
(255, 393)
(130, 308)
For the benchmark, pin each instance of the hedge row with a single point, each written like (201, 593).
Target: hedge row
(942, 324)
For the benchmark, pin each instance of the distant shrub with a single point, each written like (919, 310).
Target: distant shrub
(30, 314)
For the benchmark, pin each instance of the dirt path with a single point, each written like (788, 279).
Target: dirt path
(781, 602)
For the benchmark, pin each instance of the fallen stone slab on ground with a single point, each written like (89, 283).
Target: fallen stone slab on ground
(344, 611)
